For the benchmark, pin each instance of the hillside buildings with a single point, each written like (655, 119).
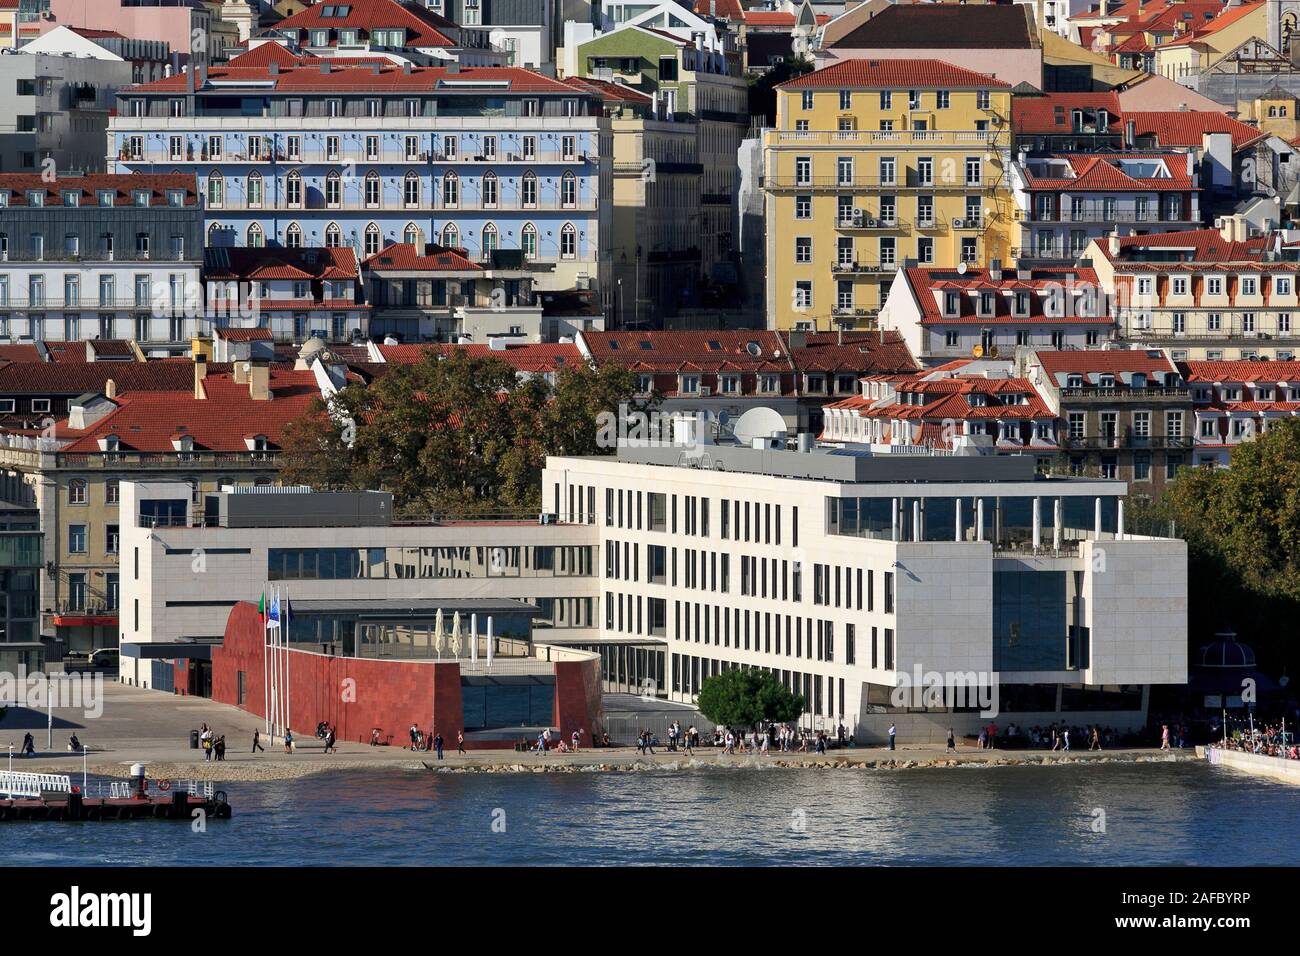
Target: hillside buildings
(874, 162)
(506, 164)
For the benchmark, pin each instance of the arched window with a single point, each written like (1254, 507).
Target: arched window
(216, 189)
(333, 188)
(530, 241)
(451, 236)
(490, 239)
(333, 236)
(529, 189)
(76, 492)
(372, 188)
(1272, 111)
(411, 235)
(293, 236)
(568, 241)
(255, 238)
(411, 190)
(490, 190)
(450, 191)
(214, 231)
(569, 189)
(373, 239)
(254, 190)
(293, 188)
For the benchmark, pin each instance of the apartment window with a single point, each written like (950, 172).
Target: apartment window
(886, 99)
(941, 100)
(887, 170)
(846, 100)
(77, 539)
(1142, 424)
(981, 99)
(803, 297)
(1174, 424)
(803, 249)
(807, 99)
(1075, 424)
(803, 207)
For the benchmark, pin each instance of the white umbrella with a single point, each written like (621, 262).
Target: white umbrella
(457, 639)
(438, 636)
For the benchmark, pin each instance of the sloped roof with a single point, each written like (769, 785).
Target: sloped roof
(404, 257)
(77, 378)
(1186, 127)
(1241, 371)
(1206, 245)
(926, 281)
(1114, 361)
(902, 74)
(424, 27)
(148, 421)
(942, 26)
(89, 185)
(1103, 173)
(265, 263)
(348, 74)
(264, 54)
(1051, 113)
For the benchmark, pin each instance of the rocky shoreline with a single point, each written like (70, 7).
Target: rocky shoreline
(632, 762)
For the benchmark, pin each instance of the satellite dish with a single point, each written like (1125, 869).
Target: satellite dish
(761, 422)
(961, 268)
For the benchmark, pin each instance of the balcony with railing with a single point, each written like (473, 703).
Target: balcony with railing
(882, 138)
(905, 179)
(1102, 394)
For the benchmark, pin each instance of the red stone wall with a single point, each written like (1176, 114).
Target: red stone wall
(356, 695)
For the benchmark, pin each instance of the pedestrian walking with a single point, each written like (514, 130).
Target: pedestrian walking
(257, 742)
(437, 744)
(288, 741)
(29, 747)
(952, 742)
(1164, 736)
(460, 742)
(331, 739)
(893, 734)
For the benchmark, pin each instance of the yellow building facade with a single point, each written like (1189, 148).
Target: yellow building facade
(874, 163)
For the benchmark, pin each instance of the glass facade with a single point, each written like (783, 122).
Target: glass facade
(507, 702)
(1030, 629)
(1008, 519)
(288, 564)
(20, 562)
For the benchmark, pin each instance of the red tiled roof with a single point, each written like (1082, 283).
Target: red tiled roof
(76, 378)
(1241, 371)
(122, 184)
(1114, 361)
(1186, 127)
(147, 421)
(347, 74)
(424, 28)
(925, 281)
(1052, 113)
(750, 350)
(1102, 174)
(617, 92)
(524, 357)
(901, 74)
(768, 18)
(264, 54)
(244, 263)
(243, 335)
(19, 353)
(97, 34)
(404, 257)
(1207, 245)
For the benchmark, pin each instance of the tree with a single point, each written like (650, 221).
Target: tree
(762, 89)
(743, 697)
(454, 433)
(1242, 527)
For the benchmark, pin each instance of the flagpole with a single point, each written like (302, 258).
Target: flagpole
(284, 626)
(266, 672)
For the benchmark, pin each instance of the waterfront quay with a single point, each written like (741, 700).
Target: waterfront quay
(153, 728)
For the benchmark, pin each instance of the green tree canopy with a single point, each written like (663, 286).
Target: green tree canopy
(456, 434)
(743, 697)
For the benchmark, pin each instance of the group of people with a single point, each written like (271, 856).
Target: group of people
(543, 744)
(1267, 740)
(214, 745)
(431, 741)
(779, 737)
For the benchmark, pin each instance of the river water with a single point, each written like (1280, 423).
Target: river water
(1110, 814)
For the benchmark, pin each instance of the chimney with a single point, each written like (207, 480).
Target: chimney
(453, 66)
(797, 340)
(1112, 242)
(273, 68)
(995, 270)
(110, 389)
(241, 372)
(1130, 133)
(259, 380)
(200, 374)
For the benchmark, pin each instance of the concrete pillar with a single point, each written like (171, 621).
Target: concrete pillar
(1119, 518)
(1097, 518)
(957, 535)
(1038, 523)
(916, 519)
(979, 519)
(893, 517)
(1056, 525)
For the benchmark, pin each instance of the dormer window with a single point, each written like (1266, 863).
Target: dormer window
(1106, 381)
(110, 443)
(987, 303)
(951, 303)
(256, 443)
(1022, 303)
(690, 384)
(1074, 381)
(731, 384)
(816, 383)
(183, 443)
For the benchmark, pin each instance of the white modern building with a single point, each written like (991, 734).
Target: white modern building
(846, 573)
(187, 564)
